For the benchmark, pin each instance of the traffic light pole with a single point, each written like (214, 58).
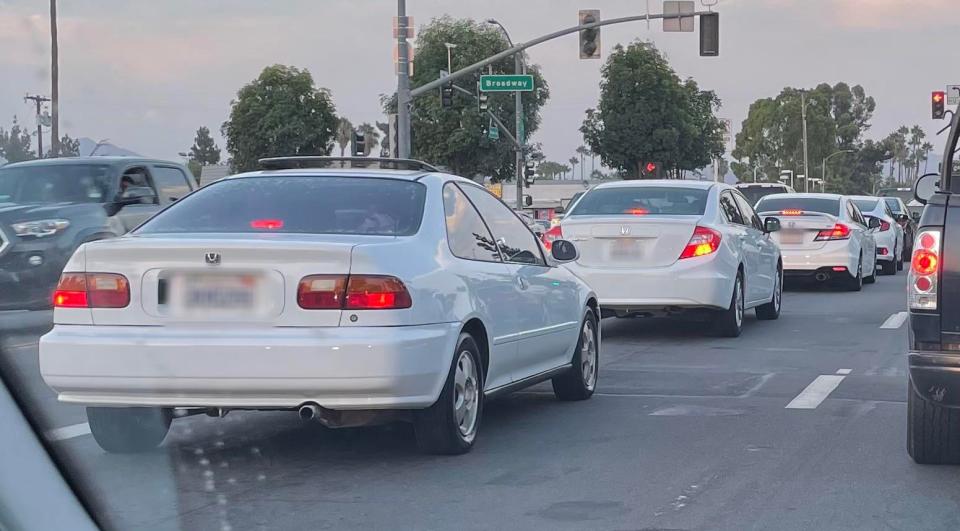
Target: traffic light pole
(493, 117)
(403, 83)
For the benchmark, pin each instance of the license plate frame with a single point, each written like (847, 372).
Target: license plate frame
(791, 237)
(215, 295)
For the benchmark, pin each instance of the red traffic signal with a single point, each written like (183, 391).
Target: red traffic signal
(651, 167)
(938, 101)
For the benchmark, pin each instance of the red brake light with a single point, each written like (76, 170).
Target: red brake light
(925, 262)
(266, 224)
(703, 242)
(884, 225)
(791, 212)
(92, 290)
(637, 211)
(838, 232)
(376, 293)
(555, 233)
(322, 292)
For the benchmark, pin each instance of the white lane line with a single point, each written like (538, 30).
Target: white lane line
(68, 432)
(816, 392)
(895, 321)
(844, 371)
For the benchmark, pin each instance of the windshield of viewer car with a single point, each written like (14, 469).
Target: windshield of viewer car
(55, 183)
(642, 200)
(806, 204)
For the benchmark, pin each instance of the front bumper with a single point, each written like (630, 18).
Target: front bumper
(269, 368)
(936, 376)
(692, 283)
(25, 286)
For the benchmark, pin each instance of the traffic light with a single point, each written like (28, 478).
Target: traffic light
(589, 38)
(483, 100)
(938, 102)
(446, 96)
(359, 149)
(528, 172)
(650, 169)
(710, 35)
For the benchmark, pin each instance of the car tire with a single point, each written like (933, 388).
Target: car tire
(451, 424)
(900, 260)
(856, 283)
(931, 431)
(730, 321)
(581, 380)
(771, 310)
(125, 430)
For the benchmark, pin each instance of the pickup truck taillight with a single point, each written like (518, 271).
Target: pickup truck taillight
(924, 271)
(92, 290)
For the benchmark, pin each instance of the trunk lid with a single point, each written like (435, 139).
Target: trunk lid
(799, 233)
(629, 242)
(201, 279)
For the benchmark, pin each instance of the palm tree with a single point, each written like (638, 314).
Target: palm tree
(370, 137)
(573, 164)
(582, 151)
(344, 134)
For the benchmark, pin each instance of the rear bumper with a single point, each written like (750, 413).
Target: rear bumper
(692, 283)
(337, 368)
(833, 254)
(936, 376)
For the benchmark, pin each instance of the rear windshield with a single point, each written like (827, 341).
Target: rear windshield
(906, 194)
(755, 193)
(291, 204)
(642, 200)
(866, 205)
(806, 204)
(893, 204)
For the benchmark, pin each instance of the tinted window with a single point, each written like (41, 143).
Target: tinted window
(893, 205)
(791, 202)
(316, 205)
(866, 205)
(646, 200)
(55, 183)
(467, 235)
(171, 183)
(516, 242)
(755, 193)
(856, 214)
(749, 215)
(729, 207)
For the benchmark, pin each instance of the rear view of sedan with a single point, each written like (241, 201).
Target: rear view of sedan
(823, 237)
(660, 247)
(351, 296)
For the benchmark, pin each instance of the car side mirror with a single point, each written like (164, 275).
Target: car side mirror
(873, 223)
(925, 186)
(771, 224)
(564, 251)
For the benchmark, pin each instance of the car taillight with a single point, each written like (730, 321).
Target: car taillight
(555, 233)
(884, 225)
(92, 290)
(703, 242)
(353, 292)
(838, 232)
(924, 269)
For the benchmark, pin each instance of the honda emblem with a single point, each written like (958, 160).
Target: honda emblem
(624, 230)
(212, 258)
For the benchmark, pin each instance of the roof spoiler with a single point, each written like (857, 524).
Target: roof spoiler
(299, 162)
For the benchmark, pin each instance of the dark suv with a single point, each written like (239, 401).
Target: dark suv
(49, 207)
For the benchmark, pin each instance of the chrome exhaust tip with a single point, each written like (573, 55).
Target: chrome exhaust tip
(309, 411)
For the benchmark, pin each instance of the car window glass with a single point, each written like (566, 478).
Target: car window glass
(467, 235)
(171, 183)
(135, 178)
(747, 211)
(729, 207)
(515, 240)
(642, 200)
(779, 203)
(855, 214)
(893, 204)
(55, 183)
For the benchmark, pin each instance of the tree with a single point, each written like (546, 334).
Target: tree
(452, 137)
(646, 114)
(15, 143)
(344, 134)
(582, 151)
(371, 135)
(67, 147)
(204, 151)
(280, 113)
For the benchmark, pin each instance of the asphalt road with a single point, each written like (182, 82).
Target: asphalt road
(798, 424)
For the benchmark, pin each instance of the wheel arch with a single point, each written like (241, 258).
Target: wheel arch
(475, 327)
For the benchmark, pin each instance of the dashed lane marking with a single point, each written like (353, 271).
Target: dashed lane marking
(816, 392)
(844, 371)
(68, 432)
(895, 321)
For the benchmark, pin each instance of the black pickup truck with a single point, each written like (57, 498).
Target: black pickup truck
(933, 299)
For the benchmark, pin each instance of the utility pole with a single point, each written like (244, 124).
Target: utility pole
(55, 81)
(39, 101)
(403, 82)
(803, 112)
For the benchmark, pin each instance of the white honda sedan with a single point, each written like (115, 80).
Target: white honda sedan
(658, 247)
(824, 237)
(349, 295)
(889, 235)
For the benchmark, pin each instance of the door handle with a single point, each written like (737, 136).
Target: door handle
(522, 283)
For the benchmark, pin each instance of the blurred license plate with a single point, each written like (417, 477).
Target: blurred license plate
(625, 248)
(216, 293)
(791, 236)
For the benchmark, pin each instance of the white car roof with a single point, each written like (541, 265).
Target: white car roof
(407, 175)
(667, 183)
(761, 185)
(806, 195)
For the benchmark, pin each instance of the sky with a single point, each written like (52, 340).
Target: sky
(147, 74)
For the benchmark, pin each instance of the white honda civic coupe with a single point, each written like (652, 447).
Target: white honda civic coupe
(889, 235)
(350, 295)
(659, 247)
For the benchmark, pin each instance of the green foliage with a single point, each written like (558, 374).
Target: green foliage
(280, 113)
(452, 137)
(344, 134)
(195, 168)
(647, 114)
(68, 147)
(549, 170)
(15, 143)
(371, 136)
(204, 151)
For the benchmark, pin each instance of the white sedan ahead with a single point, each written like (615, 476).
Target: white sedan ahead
(889, 235)
(658, 247)
(351, 296)
(824, 237)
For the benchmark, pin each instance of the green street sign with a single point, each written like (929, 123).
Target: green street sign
(505, 83)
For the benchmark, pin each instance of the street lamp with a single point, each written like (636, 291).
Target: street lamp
(823, 168)
(520, 67)
(450, 46)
